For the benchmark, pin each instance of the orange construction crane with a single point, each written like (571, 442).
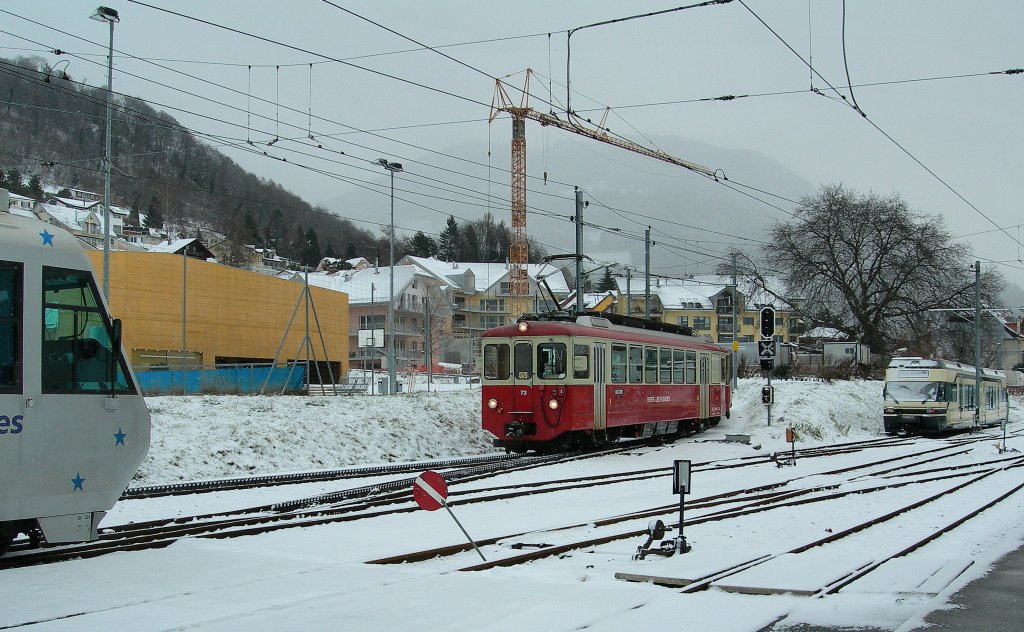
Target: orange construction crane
(519, 285)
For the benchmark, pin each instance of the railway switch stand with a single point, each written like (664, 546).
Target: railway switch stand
(656, 530)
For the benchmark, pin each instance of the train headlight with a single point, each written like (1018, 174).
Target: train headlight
(889, 411)
(492, 403)
(523, 326)
(553, 404)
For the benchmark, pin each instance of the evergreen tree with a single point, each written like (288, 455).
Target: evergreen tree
(470, 250)
(350, 251)
(329, 250)
(133, 218)
(154, 218)
(607, 281)
(448, 245)
(422, 245)
(35, 187)
(312, 254)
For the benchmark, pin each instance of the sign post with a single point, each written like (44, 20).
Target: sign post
(681, 486)
(431, 492)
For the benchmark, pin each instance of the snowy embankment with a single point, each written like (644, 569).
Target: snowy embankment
(197, 437)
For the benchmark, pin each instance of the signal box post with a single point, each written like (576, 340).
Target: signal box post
(766, 349)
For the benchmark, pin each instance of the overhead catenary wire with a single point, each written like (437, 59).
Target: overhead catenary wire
(883, 132)
(488, 184)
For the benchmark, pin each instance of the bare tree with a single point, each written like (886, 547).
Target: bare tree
(868, 266)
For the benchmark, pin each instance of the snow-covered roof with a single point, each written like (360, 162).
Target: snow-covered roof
(22, 212)
(699, 291)
(486, 275)
(170, 246)
(70, 217)
(366, 286)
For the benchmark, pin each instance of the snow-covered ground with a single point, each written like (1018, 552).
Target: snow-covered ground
(199, 437)
(316, 578)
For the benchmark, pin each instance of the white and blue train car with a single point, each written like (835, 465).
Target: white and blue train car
(931, 396)
(73, 426)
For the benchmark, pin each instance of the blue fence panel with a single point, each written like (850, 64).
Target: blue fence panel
(228, 380)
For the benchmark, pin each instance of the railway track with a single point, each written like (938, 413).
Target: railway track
(392, 497)
(737, 503)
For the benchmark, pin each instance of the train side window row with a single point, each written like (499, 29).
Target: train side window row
(634, 364)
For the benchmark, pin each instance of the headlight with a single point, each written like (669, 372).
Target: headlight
(553, 404)
(492, 403)
(889, 411)
(523, 327)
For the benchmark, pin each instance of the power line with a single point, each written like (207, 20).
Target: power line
(883, 132)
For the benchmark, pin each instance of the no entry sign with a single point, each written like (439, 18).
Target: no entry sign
(430, 491)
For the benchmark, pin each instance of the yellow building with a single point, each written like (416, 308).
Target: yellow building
(232, 316)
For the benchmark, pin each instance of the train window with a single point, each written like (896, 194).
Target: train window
(636, 365)
(691, 367)
(523, 361)
(496, 362)
(665, 366)
(10, 327)
(650, 365)
(618, 364)
(78, 351)
(726, 370)
(551, 361)
(581, 361)
(677, 366)
(716, 370)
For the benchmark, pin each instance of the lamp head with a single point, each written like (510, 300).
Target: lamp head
(105, 14)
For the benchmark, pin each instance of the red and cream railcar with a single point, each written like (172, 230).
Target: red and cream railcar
(560, 381)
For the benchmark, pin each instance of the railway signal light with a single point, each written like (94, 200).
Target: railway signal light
(767, 323)
(767, 395)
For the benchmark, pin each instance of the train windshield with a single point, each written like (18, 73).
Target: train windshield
(496, 362)
(78, 351)
(551, 361)
(915, 391)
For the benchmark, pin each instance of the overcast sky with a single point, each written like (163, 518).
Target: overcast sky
(966, 130)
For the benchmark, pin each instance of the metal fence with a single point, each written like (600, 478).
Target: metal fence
(231, 379)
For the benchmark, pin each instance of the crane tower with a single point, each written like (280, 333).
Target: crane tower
(519, 285)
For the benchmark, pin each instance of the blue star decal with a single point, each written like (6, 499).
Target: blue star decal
(47, 238)
(119, 437)
(78, 480)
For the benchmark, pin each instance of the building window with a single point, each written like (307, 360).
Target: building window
(371, 321)
(748, 321)
(503, 288)
(459, 320)
(489, 322)
(683, 321)
(459, 302)
(725, 323)
(702, 323)
(492, 304)
(725, 337)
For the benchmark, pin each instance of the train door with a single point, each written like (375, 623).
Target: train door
(705, 378)
(600, 391)
(522, 376)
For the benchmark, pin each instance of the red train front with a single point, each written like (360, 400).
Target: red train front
(563, 381)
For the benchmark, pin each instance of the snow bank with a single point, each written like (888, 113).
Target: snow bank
(199, 437)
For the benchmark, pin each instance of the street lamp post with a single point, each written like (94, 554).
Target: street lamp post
(108, 15)
(393, 167)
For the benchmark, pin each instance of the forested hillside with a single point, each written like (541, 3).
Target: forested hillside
(51, 133)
